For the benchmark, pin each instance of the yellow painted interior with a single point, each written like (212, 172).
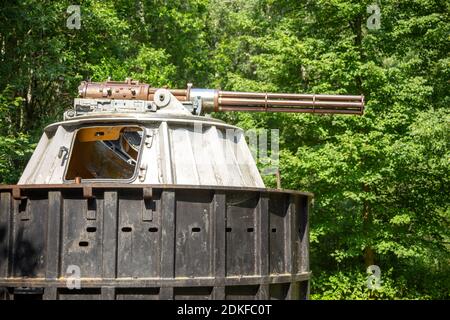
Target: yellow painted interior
(98, 134)
(90, 159)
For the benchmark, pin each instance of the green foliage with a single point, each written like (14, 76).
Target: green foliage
(381, 181)
(150, 66)
(14, 147)
(352, 285)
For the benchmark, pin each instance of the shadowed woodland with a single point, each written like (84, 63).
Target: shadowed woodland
(381, 181)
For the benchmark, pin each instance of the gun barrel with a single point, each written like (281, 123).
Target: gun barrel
(289, 102)
(224, 101)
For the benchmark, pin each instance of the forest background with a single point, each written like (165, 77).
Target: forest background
(381, 181)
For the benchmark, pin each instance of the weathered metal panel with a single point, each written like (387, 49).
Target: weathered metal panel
(54, 233)
(277, 233)
(138, 240)
(110, 235)
(177, 150)
(240, 230)
(184, 163)
(29, 236)
(303, 219)
(151, 157)
(50, 167)
(165, 154)
(198, 243)
(82, 237)
(193, 254)
(246, 161)
(218, 214)
(262, 243)
(202, 153)
(6, 229)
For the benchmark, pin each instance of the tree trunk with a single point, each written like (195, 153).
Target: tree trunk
(369, 253)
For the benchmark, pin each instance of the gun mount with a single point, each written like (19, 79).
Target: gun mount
(210, 100)
(148, 199)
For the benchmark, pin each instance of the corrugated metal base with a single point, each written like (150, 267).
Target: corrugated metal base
(153, 242)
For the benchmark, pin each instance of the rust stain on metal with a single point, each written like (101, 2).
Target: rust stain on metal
(87, 192)
(16, 193)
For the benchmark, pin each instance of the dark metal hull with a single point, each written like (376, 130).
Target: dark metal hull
(153, 242)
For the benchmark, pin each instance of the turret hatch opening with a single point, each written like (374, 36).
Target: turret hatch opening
(105, 153)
